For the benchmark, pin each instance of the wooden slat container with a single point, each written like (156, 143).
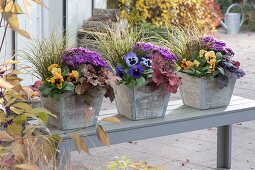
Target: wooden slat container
(70, 110)
(140, 103)
(204, 93)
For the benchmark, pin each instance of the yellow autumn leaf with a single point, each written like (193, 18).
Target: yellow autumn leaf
(24, 33)
(102, 135)
(23, 106)
(79, 143)
(17, 72)
(11, 62)
(10, 101)
(27, 167)
(5, 68)
(13, 7)
(89, 113)
(11, 19)
(5, 137)
(16, 110)
(112, 119)
(5, 84)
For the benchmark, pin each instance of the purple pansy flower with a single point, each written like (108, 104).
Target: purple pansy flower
(131, 59)
(146, 62)
(120, 72)
(136, 71)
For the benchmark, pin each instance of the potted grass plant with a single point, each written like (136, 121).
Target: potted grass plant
(208, 73)
(147, 73)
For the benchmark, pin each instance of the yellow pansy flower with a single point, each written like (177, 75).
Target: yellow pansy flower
(57, 80)
(196, 63)
(186, 64)
(56, 70)
(52, 66)
(210, 56)
(202, 53)
(73, 76)
(212, 65)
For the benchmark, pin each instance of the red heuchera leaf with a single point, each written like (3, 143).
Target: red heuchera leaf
(163, 75)
(158, 77)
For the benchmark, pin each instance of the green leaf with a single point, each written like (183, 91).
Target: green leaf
(65, 72)
(46, 91)
(148, 71)
(140, 81)
(132, 83)
(55, 96)
(218, 56)
(43, 116)
(69, 87)
(20, 119)
(222, 71)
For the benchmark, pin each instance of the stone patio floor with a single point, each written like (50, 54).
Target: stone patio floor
(194, 150)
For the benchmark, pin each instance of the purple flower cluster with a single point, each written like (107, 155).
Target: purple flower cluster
(149, 47)
(216, 45)
(75, 57)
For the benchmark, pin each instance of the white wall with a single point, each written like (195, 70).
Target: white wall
(33, 25)
(77, 12)
(100, 4)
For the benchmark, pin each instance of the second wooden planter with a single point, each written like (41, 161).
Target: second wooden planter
(140, 103)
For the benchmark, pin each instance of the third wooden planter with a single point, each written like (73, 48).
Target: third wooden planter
(204, 93)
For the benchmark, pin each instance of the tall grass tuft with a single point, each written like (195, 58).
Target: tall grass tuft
(114, 43)
(179, 39)
(42, 53)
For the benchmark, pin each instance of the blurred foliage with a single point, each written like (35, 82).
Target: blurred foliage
(112, 4)
(249, 17)
(125, 164)
(202, 14)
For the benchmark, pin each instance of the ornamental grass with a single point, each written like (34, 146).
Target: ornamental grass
(43, 53)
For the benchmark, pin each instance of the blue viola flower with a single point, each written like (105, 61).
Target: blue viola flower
(146, 62)
(120, 72)
(136, 71)
(131, 59)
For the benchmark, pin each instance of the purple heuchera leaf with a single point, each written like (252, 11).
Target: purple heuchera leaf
(75, 57)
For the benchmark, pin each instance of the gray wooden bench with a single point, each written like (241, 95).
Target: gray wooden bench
(179, 119)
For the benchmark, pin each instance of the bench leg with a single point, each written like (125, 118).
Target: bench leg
(224, 142)
(64, 157)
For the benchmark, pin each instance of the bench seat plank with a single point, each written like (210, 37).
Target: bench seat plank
(178, 119)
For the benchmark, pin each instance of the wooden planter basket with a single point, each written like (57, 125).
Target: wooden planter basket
(204, 93)
(140, 103)
(70, 110)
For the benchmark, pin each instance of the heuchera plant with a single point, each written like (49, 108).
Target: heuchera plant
(211, 58)
(81, 71)
(148, 64)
